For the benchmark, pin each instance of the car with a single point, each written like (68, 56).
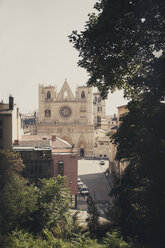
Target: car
(102, 162)
(80, 185)
(84, 190)
(78, 180)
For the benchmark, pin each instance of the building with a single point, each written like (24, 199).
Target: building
(29, 124)
(72, 118)
(98, 110)
(49, 157)
(121, 111)
(37, 158)
(10, 124)
(101, 144)
(65, 163)
(114, 165)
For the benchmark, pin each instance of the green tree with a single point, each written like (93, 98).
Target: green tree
(114, 240)
(140, 194)
(117, 46)
(53, 208)
(118, 49)
(17, 198)
(93, 215)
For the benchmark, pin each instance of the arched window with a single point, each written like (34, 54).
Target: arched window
(82, 94)
(47, 113)
(48, 95)
(95, 98)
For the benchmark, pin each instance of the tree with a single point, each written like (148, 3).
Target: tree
(117, 46)
(93, 215)
(17, 198)
(53, 208)
(123, 48)
(140, 194)
(114, 240)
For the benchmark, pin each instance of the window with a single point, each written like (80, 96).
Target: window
(61, 168)
(47, 113)
(98, 119)
(82, 94)
(65, 94)
(48, 95)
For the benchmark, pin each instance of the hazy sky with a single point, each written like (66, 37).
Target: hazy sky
(34, 48)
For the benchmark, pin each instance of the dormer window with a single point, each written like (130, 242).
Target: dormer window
(82, 94)
(48, 95)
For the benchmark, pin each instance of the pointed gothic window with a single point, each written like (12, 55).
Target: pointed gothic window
(48, 95)
(65, 94)
(82, 94)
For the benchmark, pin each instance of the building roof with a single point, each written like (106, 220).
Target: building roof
(56, 144)
(33, 143)
(60, 143)
(122, 106)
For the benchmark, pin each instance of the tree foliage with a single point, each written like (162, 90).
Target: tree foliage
(114, 240)
(123, 48)
(53, 208)
(140, 194)
(93, 215)
(25, 208)
(17, 198)
(118, 45)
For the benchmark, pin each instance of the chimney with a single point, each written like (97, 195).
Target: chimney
(11, 102)
(53, 137)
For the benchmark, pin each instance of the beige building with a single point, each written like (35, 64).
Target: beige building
(101, 145)
(98, 110)
(10, 124)
(121, 111)
(70, 117)
(114, 165)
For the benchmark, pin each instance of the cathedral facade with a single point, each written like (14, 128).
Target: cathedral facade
(70, 117)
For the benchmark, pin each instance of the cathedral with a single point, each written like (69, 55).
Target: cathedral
(70, 117)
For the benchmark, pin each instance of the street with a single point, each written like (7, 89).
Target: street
(92, 174)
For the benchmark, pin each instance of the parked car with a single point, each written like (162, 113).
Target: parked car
(78, 180)
(102, 162)
(84, 190)
(80, 184)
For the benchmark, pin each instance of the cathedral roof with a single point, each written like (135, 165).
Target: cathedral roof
(65, 93)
